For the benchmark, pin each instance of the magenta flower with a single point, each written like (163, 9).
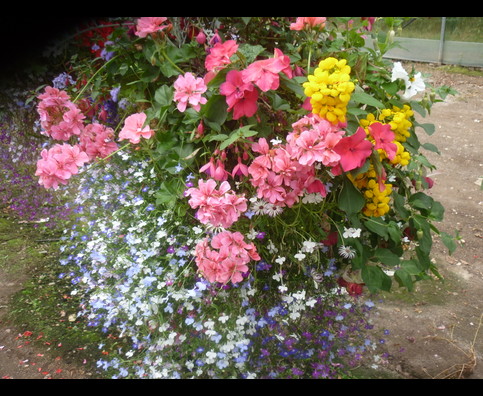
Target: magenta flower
(188, 90)
(134, 128)
(241, 97)
(150, 25)
(384, 138)
(353, 150)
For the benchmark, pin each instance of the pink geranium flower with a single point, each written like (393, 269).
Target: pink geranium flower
(150, 25)
(134, 128)
(302, 23)
(353, 150)
(58, 164)
(384, 138)
(97, 141)
(188, 90)
(241, 97)
(220, 54)
(218, 207)
(225, 259)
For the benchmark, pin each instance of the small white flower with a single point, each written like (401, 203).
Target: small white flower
(309, 246)
(300, 256)
(347, 252)
(280, 260)
(413, 84)
(352, 232)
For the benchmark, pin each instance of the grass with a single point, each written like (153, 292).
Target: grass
(44, 305)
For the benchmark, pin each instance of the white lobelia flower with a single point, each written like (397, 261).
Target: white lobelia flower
(352, 232)
(413, 84)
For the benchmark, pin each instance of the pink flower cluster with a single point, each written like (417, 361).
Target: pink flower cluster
(284, 173)
(62, 120)
(59, 117)
(217, 207)
(97, 141)
(59, 163)
(188, 90)
(302, 23)
(225, 259)
(150, 25)
(279, 177)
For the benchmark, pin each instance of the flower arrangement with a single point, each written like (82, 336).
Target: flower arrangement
(268, 178)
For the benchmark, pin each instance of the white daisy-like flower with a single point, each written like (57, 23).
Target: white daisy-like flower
(273, 210)
(347, 252)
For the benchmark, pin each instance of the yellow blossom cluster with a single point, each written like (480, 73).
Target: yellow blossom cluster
(377, 201)
(330, 89)
(398, 118)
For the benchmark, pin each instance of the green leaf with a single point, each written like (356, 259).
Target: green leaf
(376, 279)
(404, 278)
(411, 267)
(449, 242)
(239, 133)
(215, 112)
(420, 200)
(428, 128)
(164, 96)
(377, 226)
(385, 256)
(351, 199)
(363, 98)
(430, 147)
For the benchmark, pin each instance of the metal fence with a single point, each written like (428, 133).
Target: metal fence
(441, 49)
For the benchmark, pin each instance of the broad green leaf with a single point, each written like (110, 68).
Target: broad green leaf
(350, 198)
(420, 200)
(404, 279)
(376, 225)
(385, 256)
(363, 98)
(430, 147)
(164, 96)
(376, 279)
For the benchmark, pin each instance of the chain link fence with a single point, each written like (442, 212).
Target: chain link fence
(443, 40)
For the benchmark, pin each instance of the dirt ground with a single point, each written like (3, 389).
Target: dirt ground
(433, 333)
(436, 332)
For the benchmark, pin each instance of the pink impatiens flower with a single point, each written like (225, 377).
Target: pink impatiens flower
(353, 150)
(134, 128)
(264, 73)
(188, 90)
(150, 25)
(241, 97)
(384, 138)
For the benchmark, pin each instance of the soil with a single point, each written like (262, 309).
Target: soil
(431, 333)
